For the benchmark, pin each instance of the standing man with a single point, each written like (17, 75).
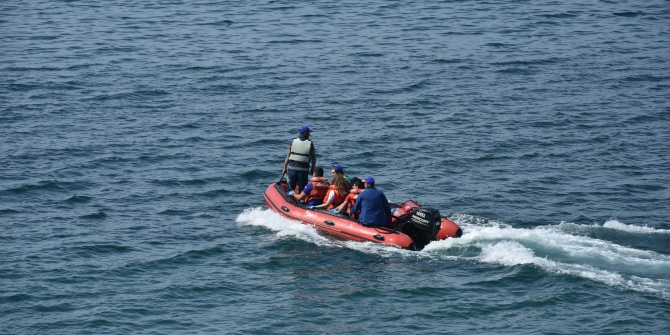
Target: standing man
(300, 153)
(372, 204)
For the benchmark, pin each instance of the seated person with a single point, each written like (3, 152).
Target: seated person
(339, 170)
(335, 197)
(315, 190)
(350, 200)
(372, 204)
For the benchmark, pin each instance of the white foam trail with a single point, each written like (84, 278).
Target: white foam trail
(563, 253)
(507, 253)
(560, 252)
(553, 240)
(257, 216)
(614, 224)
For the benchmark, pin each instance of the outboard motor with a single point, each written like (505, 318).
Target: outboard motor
(422, 226)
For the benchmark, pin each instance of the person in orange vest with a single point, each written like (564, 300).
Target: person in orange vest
(339, 189)
(350, 200)
(315, 190)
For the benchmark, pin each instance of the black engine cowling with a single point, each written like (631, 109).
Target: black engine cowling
(422, 226)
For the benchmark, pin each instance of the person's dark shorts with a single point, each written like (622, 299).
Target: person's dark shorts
(300, 178)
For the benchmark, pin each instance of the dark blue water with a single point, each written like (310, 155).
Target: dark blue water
(138, 138)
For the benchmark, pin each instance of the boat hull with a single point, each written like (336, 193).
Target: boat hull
(343, 226)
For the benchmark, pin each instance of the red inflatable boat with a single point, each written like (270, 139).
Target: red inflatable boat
(411, 227)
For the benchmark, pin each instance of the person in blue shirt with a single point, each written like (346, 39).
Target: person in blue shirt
(315, 191)
(372, 204)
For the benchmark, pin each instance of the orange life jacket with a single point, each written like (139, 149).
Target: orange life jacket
(351, 198)
(338, 200)
(319, 188)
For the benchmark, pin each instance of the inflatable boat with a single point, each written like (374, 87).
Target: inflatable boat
(411, 227)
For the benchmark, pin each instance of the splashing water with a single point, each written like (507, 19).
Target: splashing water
(614, 224)
(556, 251)
(551, 248)
(257, 216)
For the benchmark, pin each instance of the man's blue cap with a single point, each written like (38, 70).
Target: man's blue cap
(305, 129)
(370, 180)
(338, 167)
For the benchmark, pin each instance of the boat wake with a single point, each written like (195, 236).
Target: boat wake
(561, 249)
(257, 216)
(616, 225)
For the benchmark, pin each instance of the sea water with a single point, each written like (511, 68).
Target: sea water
(138, 139)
